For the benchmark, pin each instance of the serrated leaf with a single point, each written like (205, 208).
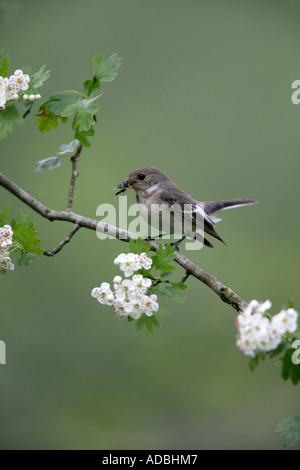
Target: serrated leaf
(25, 234)
(8, 116)
(84, 111)
(47, 120)
(82, 136)
(162, 257)
(27, 258)
(59, 102)
(47, 164)
(105, 70)
(170, 291)
(139, 246)
(291, 304)
(4, 216)
(91, 85)
(38, 78)
(167, 268)
(289, 428)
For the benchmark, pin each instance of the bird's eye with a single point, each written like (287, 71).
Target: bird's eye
(142, 176)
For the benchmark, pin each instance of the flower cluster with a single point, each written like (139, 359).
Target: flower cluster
(259, 333)
(6, 234)
(10, 87)
(130, 262)
(129, 297)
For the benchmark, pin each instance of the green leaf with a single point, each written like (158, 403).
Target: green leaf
(47, 120)
(105, 70)
(27, 258)
(149, 326)
(139, 246)
(163, 311)
(25, 233)
(4, 65)
(91, 85)
(38, 78)
(254, 361)
(289, 428)
(82, 136)
(289, 369)
(8, 116)
(170, 290)
(148, 322)
(155, 321)
(291, 304)
(162, 258)
(84, 110)
(141, 322)
(59, 102)
(47, 164)
(4, 216)
(84, 119)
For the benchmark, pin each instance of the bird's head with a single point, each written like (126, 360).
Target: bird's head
(142, 179)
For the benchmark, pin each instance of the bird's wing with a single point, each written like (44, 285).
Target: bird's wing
(190, 208)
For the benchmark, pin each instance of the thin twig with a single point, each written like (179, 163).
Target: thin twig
(74, 160)
(185, 276)
(63, 242)
(26, 112)
(225, 293)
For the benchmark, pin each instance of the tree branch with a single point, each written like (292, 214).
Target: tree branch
(225, 293)
(63, 242)
(74, 160)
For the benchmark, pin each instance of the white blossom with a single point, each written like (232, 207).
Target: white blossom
(144, 261)
(103, 294)
(21, 80)
(129, 297)
(5, 263)
(128, 263)
(259, 333)
(286, 321)
(123, 289)
(149, 304)
(6, 235)
(10, 87)
(2, 93)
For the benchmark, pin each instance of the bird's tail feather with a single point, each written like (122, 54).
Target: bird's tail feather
(210, 207)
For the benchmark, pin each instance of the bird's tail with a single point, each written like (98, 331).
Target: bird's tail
(210, 207)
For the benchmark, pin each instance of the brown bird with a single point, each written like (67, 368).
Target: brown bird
(166, 206)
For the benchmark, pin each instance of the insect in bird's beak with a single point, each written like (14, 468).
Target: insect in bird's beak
(121, 188)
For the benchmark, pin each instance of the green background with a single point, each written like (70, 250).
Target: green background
(204, 93)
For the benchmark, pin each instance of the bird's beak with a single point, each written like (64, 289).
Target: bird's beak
(121, 188)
